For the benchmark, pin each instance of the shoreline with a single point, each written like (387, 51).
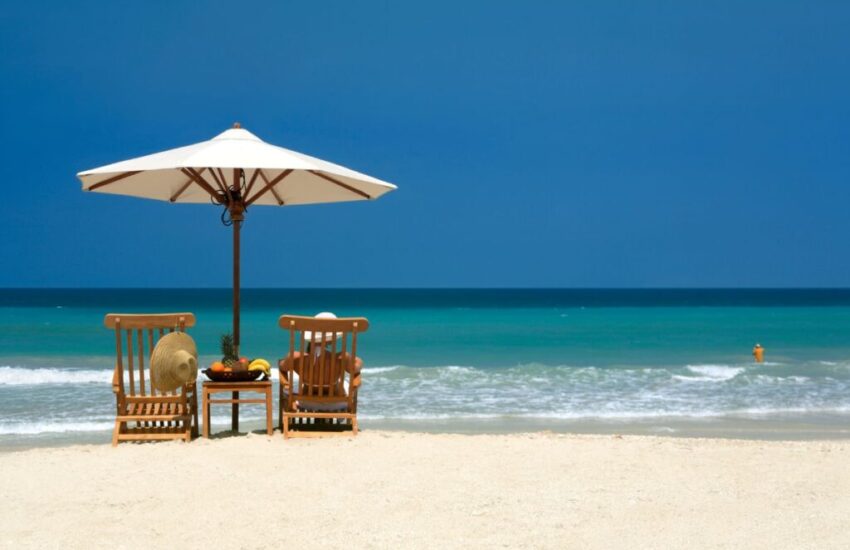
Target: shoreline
(383, 489)
(798, 428)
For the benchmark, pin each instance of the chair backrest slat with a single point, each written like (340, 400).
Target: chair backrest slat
(138, 324)
(150, 351)
(119, 359)
(290, 358)
(353, 350)
(324, 376)
(130, 370)
(334, 364)
(345, 347)
(301, 355)
(141, 345)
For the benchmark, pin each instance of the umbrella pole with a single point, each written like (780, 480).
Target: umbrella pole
(236, 285)
(237, 215)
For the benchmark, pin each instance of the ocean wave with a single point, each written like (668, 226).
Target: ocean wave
(36, 428)
(452, 392)
(714, 373)
(19, 376)
(624, 415)
(458, 368)
(709, 373)
(378, 370)
(617, 394)
(99, 424)
(59, 427)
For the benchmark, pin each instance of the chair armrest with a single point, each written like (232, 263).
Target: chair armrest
(284, 378)
(355, 369)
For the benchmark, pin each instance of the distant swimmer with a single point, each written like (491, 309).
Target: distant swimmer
(758, 353)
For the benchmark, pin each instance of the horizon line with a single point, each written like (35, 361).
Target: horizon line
(228, 288)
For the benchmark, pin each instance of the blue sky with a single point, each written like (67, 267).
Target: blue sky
(588, 144)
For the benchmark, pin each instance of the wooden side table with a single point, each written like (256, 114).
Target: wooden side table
(263, 387)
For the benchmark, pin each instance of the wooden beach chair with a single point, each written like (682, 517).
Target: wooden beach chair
(323, 400)
(143, 413)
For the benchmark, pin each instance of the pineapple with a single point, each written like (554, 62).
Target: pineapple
(228, 352)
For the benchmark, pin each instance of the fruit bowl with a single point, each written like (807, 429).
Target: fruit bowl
(233, 376)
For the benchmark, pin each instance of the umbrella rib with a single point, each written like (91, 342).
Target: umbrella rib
(224, 185)
(113, 179)
(251, 183)
(185, 186)
(339, 183)
(269, 185)
(217, 181)
(272, 189)
(196, 177)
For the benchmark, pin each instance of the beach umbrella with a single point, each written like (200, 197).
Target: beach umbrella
(235, 170)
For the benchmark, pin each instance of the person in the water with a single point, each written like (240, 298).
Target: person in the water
(758, 353)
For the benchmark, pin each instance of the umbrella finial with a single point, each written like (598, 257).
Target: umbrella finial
(237, 125)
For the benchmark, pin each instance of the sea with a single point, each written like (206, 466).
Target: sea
(671, 362)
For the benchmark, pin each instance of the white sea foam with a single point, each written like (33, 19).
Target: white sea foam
(97, 424)
(378, 370)
(57, 427)
(711, 373)
(19, 376)
(458, 368)
(35, 428)
(624, 415)
(447, 393)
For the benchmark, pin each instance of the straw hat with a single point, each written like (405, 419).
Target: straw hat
(174, 361)
(308, 335)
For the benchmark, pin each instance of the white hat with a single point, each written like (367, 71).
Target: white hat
(308, 335)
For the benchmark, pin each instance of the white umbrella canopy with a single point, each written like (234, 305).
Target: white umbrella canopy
(235, 170)
(171, 175)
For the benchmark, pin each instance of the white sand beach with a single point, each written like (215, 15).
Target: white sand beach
(406, 490)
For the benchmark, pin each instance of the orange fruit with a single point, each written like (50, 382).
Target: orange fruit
(228, 369)
(217, 366)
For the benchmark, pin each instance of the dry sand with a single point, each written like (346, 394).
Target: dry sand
(403, 490)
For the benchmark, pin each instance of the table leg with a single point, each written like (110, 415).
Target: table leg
(269, 428)
(234, 415)
(206, 405)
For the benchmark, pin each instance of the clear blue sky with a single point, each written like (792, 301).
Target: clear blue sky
(588, 144)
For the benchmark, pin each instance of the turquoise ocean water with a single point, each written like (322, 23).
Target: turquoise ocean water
(606, 361)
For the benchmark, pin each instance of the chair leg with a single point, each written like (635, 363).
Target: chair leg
(354, 426)
(269, 412)
(194, 414)
(115, 432)
(285, 422)
(280, 409)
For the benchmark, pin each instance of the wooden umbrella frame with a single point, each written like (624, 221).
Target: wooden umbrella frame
(236, 201)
